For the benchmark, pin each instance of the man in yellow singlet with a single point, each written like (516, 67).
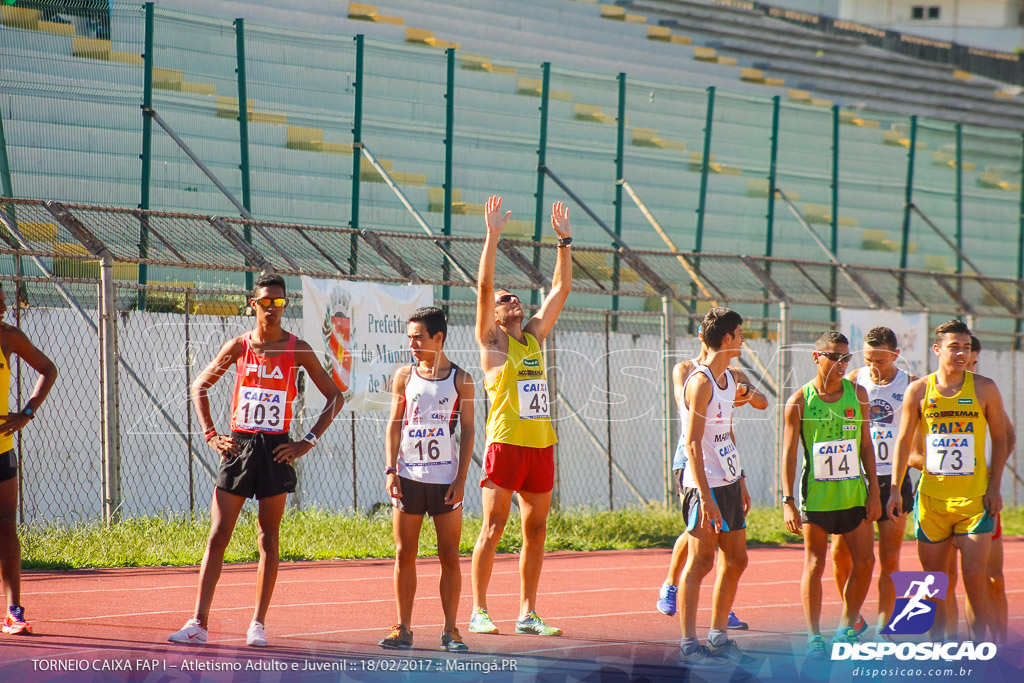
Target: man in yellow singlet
(948, 413)
(519, 456)
(14, 342)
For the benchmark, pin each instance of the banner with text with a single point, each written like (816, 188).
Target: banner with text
(911, 333)
(358, 329)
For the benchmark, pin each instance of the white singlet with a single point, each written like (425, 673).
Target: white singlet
(721, 461)
(885, 410)
(429, 452)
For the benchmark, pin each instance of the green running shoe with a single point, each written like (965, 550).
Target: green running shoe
(816, 647)
(481, 622)
(533, 624)
(850, 636)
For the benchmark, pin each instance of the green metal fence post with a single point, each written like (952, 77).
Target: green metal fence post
(243, 133)
(542, 149)
(5, 166)
(449, 142)
(357, 157)
(704, 167)
(147, 151)
(773, 160)
(959, 197)
(908, 202)
(619, 177)
(835, 205)
(1020, 247)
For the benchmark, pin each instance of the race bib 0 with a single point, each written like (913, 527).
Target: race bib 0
(884, 439)
(836, 460)
(426, 445)
(729, 459)
(533, 399)
(950, 455)
(261, 410)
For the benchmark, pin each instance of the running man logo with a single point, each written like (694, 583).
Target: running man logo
(914, 612)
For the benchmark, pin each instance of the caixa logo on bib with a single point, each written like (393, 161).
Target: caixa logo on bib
(914, 614)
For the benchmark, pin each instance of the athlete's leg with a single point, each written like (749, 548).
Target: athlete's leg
(271, 510)
(224, 509)
(700, 560)
(449, 532)
(10, 547)
(974, 552)
(952, 608)
(890, 539)
(935, 558)
(733, 545)
(842, 565)
(406, 530)
(861, 543)
(815, 549)
(496, 502)
(534, 508)
(997, 591)
(678, 561)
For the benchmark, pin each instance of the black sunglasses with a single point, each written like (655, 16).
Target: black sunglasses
(505, 298)
(835, 356)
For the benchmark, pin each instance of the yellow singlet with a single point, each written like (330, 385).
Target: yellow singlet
(520, 402)
(954, 443)
(6, 442)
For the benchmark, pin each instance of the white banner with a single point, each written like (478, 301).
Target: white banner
(911, 333)
(358, 330)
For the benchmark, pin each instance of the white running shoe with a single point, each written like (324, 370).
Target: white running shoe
(256, 636)
(191, 634)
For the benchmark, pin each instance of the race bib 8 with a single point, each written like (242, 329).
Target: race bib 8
(729, 459)
(426, 445)
(836, 460)
(533, 399)
(950, 455)
(261, 410)
(884, 440)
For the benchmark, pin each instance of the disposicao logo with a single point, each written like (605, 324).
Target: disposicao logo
(914, 614)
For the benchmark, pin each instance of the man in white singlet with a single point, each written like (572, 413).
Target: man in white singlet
(426, 469)
(885, 384)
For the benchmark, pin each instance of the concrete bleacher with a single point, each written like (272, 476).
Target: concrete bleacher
(301, 98)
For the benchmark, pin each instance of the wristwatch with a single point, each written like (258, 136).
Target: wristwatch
(29, 413)
(564, 242)
(310, 439)
(391, 470)
(788, 499)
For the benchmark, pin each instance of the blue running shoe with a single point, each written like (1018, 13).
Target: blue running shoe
(667, 599)
(816, 647)
(735, 624)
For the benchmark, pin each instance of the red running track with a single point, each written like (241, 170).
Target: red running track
(327, 611)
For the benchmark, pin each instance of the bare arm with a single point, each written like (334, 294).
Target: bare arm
(467, 408)
(680, 372)
(906, 441)
(486, 328)
(995, 414)
(790, 438)
(15, 342)
(226, 357)
(393, 434)
(873, 507)
(747, 393)
(561, 283)
(306, 359)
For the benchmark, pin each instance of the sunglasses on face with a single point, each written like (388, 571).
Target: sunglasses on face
(267, 302)
(506, 298)
(835, 356)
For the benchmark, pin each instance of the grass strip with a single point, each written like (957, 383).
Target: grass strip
(314, 534)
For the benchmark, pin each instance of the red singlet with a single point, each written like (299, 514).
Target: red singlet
(264, 390)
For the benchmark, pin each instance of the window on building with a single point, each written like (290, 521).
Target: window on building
(933, 12)
(917, 12)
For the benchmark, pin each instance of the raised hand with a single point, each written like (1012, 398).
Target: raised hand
(493, 217)
(560, 219)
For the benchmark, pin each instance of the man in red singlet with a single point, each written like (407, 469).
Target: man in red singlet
(257, 457)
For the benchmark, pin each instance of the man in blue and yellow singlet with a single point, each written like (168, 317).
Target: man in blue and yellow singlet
(519, 456)
(828, 416)
(947, 414)
(14, 342)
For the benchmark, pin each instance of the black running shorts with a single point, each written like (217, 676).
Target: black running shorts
(835, 521)
(728, 498)
(906, 493)
(8, 465)
(253, 473)
(421, 498)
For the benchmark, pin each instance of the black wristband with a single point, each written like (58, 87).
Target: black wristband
(564, 242)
